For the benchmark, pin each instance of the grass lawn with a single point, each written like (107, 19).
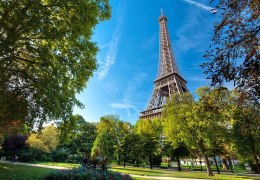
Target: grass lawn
(169, 173)
(59, 164)
(21, 172)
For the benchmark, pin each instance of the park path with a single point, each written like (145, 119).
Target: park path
(63, 168)
(34, 165)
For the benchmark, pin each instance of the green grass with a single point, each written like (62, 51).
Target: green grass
(21, 172)
(59, 164)
(170, 173)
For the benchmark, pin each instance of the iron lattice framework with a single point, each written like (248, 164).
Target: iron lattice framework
(169, 80)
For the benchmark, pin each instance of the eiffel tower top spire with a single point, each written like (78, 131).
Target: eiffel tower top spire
(167, 61)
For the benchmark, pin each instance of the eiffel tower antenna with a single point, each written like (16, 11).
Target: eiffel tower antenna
(169, 80)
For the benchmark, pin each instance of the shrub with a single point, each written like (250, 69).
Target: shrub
(83, 173)
(60, 155)
(32, 155)
(29, 155)
(74, 158)
(45, 157)
(14, 143)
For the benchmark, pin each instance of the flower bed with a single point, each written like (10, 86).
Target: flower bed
(85, 173)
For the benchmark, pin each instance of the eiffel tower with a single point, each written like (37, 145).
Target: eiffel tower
(169, 80)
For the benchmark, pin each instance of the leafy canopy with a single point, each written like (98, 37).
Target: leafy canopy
(45, 141)
(234, 54)
(46, 53)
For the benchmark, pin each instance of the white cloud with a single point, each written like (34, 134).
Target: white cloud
(131, 96)
(125, 106)
(122, 106)
(112, 46)
(202, 6)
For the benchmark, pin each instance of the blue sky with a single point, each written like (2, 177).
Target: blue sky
(129, 52)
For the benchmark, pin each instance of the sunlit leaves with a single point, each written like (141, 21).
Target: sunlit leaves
(46, 53)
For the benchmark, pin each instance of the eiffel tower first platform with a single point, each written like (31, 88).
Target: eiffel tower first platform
(169, 80)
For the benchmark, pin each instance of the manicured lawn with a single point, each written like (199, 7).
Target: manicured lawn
(21, 172)
(170, 173)
(59, 164)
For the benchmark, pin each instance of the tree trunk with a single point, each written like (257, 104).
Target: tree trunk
(230, 164)
(208, 165)
(247, 121)
(200, 164)
(119, 159)
(137, 162)
(216, 163)
(151, 163)
(203, 151)
(124, 160)
(179, 163)
(225, 165)
(257, 164)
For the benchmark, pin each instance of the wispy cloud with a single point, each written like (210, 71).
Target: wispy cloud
(131, 96)
(195, 33)
(202, 6)
(111, 54)
(123, 106)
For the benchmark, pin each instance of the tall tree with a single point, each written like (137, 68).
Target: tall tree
(70, 127)
(110, 132)
(196, 123)
(245, 130)
(234, 54)
(150, 131)
(46, 54)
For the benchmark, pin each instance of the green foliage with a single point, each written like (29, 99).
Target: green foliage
(110, 132)
(83, 140)
(77, 135)
(234, 53)
(46, 141)
(130, 147)
(46, 55)
(150, 131)
(245, 127)
(60, 155)
(69, 127)
(197, 124)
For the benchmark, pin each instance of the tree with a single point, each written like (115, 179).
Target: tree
(135, 147)
(150, 131)
(46, 54)
(110, 132)
(45, 141)
(175, 153)
(70, 127)
(234, 54)
(83, 140)
(245, 130)
(197, 124)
